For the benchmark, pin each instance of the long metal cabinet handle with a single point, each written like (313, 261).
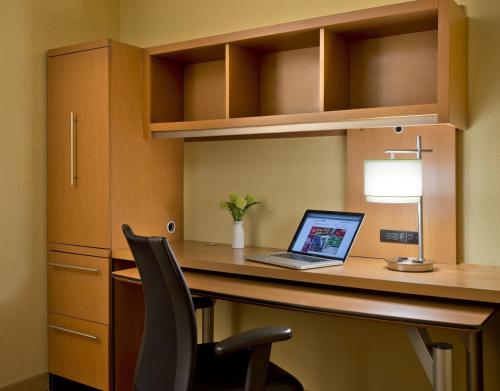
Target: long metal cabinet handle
(80, 268)
(72, 150)
(65, 330)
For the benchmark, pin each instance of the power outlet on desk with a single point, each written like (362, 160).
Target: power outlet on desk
(404, 237)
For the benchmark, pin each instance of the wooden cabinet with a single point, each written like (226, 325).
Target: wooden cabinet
(101, 174)
(402, 64)
(79, 350)
(77, 149)
(78, 285)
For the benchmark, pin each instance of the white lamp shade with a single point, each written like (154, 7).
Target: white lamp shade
(394, 181)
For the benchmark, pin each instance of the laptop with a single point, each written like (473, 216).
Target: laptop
(322, 239)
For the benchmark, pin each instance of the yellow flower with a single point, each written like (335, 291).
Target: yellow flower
(240, 203)
(233, 197)
(250, 199)
(238, 206)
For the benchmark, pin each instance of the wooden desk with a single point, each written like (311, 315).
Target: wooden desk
(362, 288)
(479, 283)
(344, 302)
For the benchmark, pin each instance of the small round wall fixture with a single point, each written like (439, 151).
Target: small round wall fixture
(171, 227)
(398, 129)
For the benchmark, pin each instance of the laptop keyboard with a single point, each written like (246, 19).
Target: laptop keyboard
(300, 257)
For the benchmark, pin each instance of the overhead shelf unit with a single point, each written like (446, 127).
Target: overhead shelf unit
(403, 64)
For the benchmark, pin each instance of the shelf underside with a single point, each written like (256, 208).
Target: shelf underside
(291, 123)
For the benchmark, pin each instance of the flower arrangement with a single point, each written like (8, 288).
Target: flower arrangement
(238, 206)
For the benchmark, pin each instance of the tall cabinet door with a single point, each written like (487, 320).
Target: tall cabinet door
(78, 149)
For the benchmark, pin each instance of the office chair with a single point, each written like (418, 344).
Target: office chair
(170, 358)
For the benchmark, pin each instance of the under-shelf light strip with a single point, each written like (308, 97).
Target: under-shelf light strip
(414, 120)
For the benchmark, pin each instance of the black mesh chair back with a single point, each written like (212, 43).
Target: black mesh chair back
(166, 360)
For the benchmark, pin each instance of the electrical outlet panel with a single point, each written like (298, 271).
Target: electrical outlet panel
(404, 237)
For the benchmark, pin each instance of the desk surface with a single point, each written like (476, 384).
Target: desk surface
(478, 283)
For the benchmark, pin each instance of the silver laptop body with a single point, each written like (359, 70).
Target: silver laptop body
(322, 239)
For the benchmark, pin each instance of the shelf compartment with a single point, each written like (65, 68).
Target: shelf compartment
(394, 70)
(274, 75)
(383, 71)
(187, 85)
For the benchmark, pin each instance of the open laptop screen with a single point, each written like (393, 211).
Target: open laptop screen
(326, 234)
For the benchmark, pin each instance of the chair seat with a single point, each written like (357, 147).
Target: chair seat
(228, 373)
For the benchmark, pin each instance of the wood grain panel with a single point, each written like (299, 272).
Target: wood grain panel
(65, 248)
(453, 64)
(335, 72)
(146, 175)
(469, 282)
(439, 189)
(78, 358)
(491, 358)
(395, 70)
(196, 55)
(82, 294)
(78, 83)
(204, 90)
(280, 42)
(128, 313)
(334, 301)
(101, 43)
(242, 82)
(290, 81)
(164, 79)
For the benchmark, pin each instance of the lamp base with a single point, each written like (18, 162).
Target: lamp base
(402, 264)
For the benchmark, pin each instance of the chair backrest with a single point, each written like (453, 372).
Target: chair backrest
(166, 360)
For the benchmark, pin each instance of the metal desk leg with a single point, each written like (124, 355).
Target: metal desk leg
(436, 358)
(442, 354)
(207, 321)
(474, 346)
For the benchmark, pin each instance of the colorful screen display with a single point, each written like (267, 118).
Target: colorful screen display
(326, 234)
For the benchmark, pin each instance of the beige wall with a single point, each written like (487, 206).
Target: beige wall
(289, 175)
(27, 29)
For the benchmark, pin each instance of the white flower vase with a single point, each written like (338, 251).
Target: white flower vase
(238, 235)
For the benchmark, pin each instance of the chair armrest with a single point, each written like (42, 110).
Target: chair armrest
(252, 338)
(202, 302)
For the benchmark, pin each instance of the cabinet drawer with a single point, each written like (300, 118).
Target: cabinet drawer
(78, 286)
(79, 350)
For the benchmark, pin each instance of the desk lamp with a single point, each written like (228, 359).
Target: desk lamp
(399, 181)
